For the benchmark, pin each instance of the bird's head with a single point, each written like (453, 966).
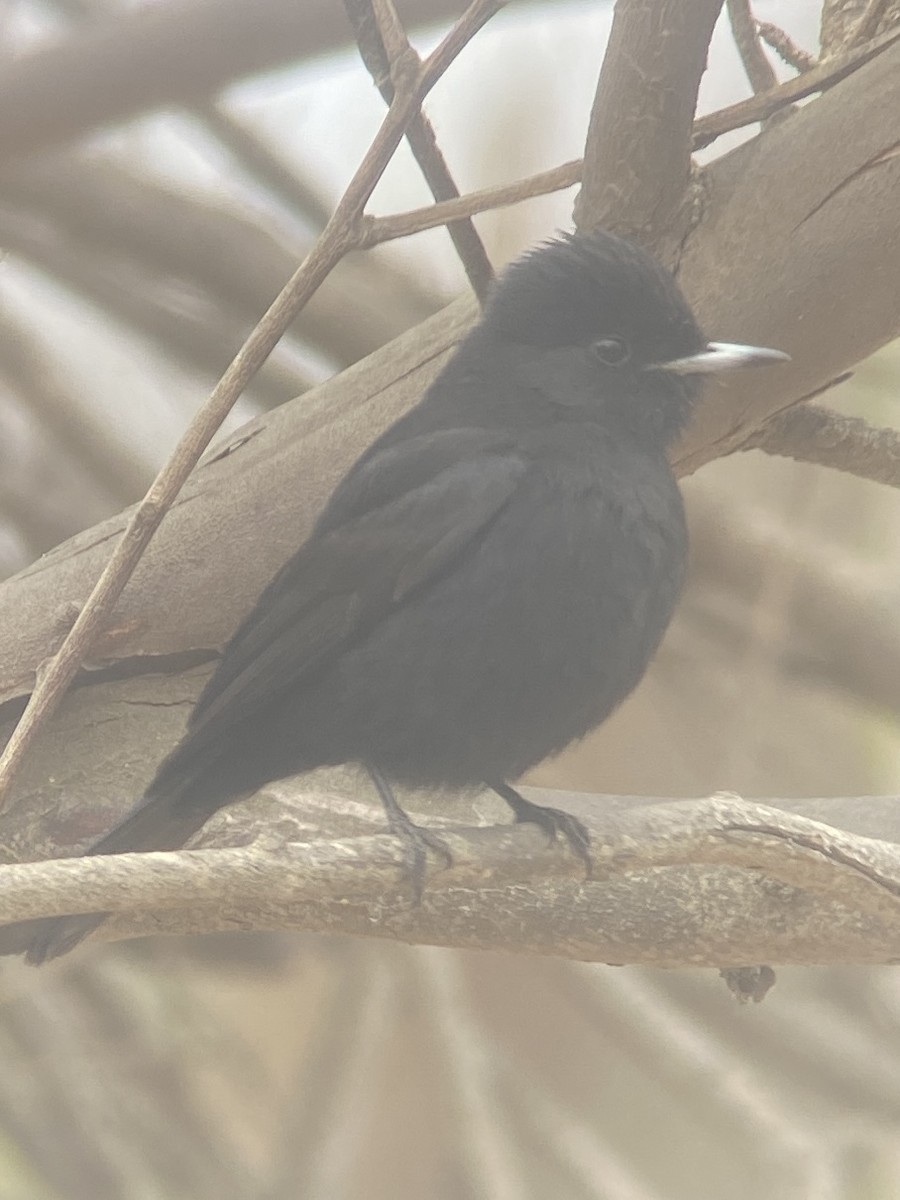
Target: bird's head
(605, 330)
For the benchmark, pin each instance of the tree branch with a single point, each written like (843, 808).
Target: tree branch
(810, 433)
(786, 49)
(638, 151)
(801, 241)
(382, 63)
(837, 894)
(375, 230)
(746, 37)
(748, 269)
(819, 78)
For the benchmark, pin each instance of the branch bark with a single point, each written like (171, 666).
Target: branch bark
(779, 886)
(796, 261)
(637, 159)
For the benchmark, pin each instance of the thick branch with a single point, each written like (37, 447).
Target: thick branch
(637, 156)
(837, 893)
(763, 267)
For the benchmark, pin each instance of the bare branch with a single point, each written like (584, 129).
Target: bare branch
(344, 417)
(819, 78)
(746, 36)
(637, 156)
(810, 433)
(838, 899)
(374, 230)
(383, 46)
(786, 49)
(792, 250)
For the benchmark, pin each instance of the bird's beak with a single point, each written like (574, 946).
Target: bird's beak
(724, 356)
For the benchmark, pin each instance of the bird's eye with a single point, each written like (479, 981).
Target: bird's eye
(612, 351)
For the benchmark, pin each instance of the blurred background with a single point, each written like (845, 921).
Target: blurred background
(280, 1066)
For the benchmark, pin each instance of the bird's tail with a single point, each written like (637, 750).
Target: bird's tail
(160, 822)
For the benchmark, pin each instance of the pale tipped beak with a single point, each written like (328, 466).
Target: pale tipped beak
(724, 356)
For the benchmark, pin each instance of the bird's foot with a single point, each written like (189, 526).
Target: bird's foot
(553, 820)
(415, 840)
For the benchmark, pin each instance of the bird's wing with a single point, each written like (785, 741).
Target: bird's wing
(396, 523)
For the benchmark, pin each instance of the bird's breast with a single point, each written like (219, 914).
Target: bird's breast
(550, 621)
(591, 559)
(530, 637)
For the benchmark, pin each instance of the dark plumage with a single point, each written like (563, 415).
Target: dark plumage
(488, 582)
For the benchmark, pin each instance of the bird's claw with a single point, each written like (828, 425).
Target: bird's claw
(554, 821)
(416, 843)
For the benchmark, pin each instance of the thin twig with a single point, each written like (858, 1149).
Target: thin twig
(383, 46)
(785, 47)
(371, 231)
(746, 37)
(811, 433)
(757, 108)
(334, 241)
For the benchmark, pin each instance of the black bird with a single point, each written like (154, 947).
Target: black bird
(486, 584)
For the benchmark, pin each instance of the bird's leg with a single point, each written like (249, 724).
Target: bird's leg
(416, 840)
(553, 820)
